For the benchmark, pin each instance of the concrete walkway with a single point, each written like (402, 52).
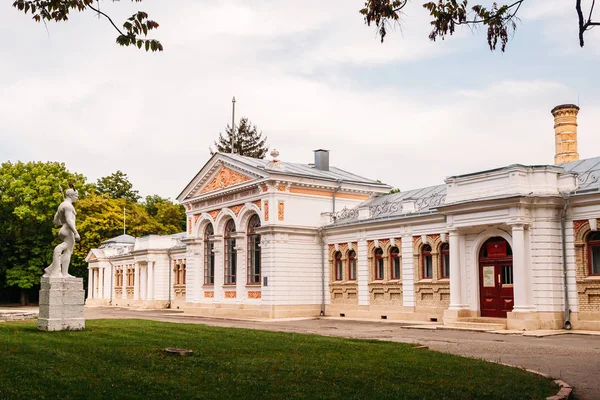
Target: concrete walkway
(573, 358)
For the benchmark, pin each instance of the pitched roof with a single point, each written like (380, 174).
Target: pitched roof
(588, 174)
(121, 239)
(428, 198)
(298, 169)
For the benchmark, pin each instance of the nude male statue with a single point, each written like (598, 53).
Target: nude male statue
(65, 216)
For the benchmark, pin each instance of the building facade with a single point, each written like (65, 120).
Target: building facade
(517, 246)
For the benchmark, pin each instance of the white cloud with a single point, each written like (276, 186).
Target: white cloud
(75, 96)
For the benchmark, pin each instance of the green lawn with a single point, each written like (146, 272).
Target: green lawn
(123, 359)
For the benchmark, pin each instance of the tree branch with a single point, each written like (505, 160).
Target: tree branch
(494, 16)
(107, 17)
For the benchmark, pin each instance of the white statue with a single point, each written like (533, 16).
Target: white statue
(65, 217)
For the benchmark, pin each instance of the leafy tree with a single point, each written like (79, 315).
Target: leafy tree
(247, 141)
(168, 214)
(171, 217)
(500, 19)
(29, 197)
(58, 10)
(117, 186)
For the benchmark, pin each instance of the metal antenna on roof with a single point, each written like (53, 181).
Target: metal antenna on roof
(233, 125)
(123, 220)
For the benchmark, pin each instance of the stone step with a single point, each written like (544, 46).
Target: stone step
(481, 326)
(17, 315)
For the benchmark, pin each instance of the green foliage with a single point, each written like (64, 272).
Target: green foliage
(100, 217)
(166, 213)
(59, 10)
(124, 359)
(117, 186)
(247, 141)
(446, 15)
(29, 197)
(394, 190)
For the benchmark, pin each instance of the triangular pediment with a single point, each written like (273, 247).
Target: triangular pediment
(220, 173)
(225, 177)
(94, 254)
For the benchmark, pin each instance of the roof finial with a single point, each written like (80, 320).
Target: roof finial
(274, 154)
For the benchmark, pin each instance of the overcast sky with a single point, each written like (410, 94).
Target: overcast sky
(309, 74)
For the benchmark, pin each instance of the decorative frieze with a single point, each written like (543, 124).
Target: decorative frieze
(230, 295)
(209, 295)
(225, 177)
(280, 210)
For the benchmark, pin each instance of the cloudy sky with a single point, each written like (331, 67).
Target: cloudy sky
(309, 74)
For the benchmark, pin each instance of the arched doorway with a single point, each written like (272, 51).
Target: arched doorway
(496, 278)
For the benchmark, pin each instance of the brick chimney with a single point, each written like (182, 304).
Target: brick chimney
(565, 131)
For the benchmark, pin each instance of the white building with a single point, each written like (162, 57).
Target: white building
(519, 244)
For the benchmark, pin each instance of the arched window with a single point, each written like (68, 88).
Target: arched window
(253, 251)
(395, 262)
(593, 245)
(230, 253)
(339, 270)
(352, 265)
(445, 260)
(427, 262)
(379, 269)
(209, 256)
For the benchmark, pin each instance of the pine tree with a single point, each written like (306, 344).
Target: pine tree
(247, 141)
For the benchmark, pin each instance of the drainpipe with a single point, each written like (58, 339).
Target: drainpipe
(563, 220)
(322, 242)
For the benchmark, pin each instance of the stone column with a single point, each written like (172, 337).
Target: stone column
(408, 272)
(90, 281)
(124, 283)
(101, 278)
(241, 273)
(362, 272)
(143, 282)
(150, 290)
(136, 282)
(521, 282)
(456, 300)
(220, 269)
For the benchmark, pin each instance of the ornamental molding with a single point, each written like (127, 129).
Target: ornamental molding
(224, 178)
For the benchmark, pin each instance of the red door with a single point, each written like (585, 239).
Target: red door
(496, 278)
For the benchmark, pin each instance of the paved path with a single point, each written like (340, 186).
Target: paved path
(573, 358)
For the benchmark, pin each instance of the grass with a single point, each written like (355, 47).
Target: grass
(124, 359)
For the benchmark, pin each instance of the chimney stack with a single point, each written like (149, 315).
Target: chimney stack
(565, 131)
(322, 159)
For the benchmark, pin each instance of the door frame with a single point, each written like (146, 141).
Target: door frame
(497, 263)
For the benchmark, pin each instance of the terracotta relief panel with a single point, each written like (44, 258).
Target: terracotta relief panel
(209, 295)
(254, 295)
(236, 209)
(225, 177)
(230, 295)
(214, 213)
(266, 211)
(258, 204)
(280, 210)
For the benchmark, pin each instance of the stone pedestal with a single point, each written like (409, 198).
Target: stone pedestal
(61, 304)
